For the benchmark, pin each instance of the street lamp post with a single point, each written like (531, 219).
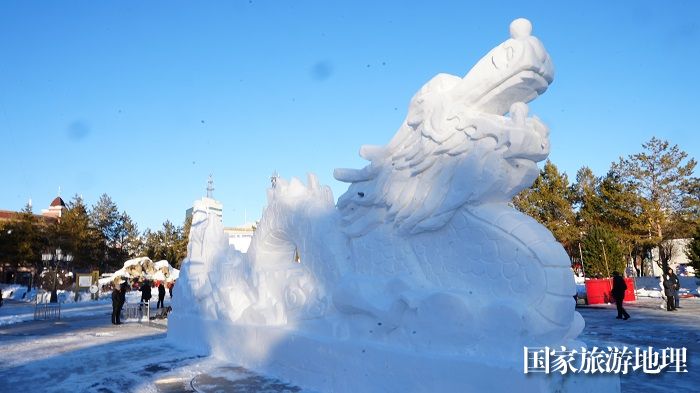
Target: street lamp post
(605, 257)
(580, 253)
(53, 259)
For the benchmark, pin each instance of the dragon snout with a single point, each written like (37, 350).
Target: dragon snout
(529, 138)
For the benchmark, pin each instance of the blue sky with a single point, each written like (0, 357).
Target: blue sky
(143, 100)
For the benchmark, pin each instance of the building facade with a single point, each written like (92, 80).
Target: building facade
(10, 271)
(240, 236)
(679, 261)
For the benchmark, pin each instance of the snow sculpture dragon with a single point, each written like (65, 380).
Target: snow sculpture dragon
(423, 252)
(444, 183)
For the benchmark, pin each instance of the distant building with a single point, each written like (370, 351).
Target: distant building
(52, 214)
(679, 262)
(10, 272)
(240, 236)
(56, 209)
(211, 204)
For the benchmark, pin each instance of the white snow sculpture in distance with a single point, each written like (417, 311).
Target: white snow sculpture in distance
(423, 277)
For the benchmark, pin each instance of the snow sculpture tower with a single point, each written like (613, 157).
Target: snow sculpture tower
(423, 277)
(208, 202)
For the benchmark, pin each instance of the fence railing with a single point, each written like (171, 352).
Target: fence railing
(44, 311)
(139, 311)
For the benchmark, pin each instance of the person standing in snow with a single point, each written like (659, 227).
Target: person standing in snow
(146, 292)
(618, 293)
(669, 292)
(122, 294)
(116, 305)
(676, 282)
(161, 295)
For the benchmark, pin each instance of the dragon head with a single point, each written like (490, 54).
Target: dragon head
(518, 70)
(465, 141)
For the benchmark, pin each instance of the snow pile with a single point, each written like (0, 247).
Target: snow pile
(14, 291)
(652, 286)
(143, 268)
(20, 293)
(645, 292)
(424, 277)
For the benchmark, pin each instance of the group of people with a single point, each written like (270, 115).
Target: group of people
(119, 297)
(669, 283)
(146, 293)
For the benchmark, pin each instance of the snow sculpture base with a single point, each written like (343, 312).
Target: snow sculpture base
(350, 366)
(423, 278)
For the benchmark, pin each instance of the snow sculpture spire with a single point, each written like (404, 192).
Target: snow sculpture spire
(273, 179)
(210, 187)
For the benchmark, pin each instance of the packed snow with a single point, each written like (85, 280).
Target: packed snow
(84, 352)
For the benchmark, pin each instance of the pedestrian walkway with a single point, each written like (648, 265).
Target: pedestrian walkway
(88, 353)
(649, 325)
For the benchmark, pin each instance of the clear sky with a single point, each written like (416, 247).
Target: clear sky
(142, 100)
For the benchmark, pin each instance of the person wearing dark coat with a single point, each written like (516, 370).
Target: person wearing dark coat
(161, 295)
(116, 305)
(676, 282)
(146, 292)
(618, 293)
(670, 293)
(122, 294)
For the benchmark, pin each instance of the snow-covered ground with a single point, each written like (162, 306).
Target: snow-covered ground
(84, 352)
(23, 310)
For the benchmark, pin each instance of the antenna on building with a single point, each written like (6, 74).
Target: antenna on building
(59, 191)
(273, 179)
(30, 203)
(210, 187)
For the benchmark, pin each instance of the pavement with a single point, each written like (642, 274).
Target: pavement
(85, 352)
(649, 325)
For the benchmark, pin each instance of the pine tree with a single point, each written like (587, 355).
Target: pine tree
(76, 235)
(693, 251)
(29, 238)
(601, 253)
(549, 201)
(127, 237)
(585, 197)
(6, 243)
(104, 217)
(169, 237)
(20, 241)
(169, 243)
(183, 241)
(662, 176)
